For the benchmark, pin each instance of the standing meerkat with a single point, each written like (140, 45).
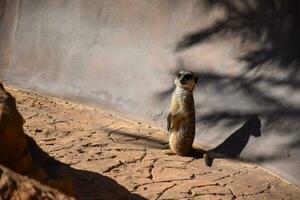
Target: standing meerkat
(181, 118)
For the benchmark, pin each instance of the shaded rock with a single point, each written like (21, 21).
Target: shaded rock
(14, 186)
(15, 152)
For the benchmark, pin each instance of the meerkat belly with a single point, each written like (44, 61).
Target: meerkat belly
(181, 141)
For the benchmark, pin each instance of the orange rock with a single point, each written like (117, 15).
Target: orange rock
(15, 152)
(14, 186)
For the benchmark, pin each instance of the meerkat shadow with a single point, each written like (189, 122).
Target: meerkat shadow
(233, 146)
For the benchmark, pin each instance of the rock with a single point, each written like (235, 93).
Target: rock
(15, 152)
(14, 186)
(121, 160)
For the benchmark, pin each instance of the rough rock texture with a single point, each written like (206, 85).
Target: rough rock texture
(16, 154)
(113, 158)
(13, 145)
(16, 187)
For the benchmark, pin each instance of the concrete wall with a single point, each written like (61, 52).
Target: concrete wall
(124, 54)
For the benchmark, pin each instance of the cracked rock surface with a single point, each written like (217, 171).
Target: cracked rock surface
(123, 159)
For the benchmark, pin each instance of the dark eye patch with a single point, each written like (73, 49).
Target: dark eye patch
(188, 76)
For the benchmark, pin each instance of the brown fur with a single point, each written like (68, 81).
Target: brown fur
(181, 117)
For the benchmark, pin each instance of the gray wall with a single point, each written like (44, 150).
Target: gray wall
(124, 54)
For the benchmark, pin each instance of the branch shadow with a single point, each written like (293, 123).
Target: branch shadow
(272, 25)
(278, 112)
(87, 184)
(274, 107)
(145, 141)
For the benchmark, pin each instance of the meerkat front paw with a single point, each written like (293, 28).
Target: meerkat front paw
(169, 127)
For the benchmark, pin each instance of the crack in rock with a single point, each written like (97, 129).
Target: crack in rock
(229, 175)
(125, 163)
(234, 196)
(32, 116)
(151, 167)
(205, 185)
(259, 192)
(107, 125)
(55, 121)
(166, 189)
(212, 193)
(223, 193)
(109, 169)
(143, 156)
(204, 173)
(165, 181)
(172, 167)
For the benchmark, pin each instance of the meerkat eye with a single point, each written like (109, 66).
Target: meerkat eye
(188, 76)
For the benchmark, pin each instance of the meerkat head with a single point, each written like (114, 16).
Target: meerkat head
(186, 79)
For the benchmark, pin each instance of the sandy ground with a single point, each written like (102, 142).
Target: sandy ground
(117, 158)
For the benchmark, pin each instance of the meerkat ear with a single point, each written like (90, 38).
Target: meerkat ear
(196, 79)
(179, 74)
(1, 86)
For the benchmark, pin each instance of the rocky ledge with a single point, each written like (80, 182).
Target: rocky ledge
(110, 157)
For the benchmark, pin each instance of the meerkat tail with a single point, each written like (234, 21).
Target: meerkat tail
(201, 153)
(208, 159)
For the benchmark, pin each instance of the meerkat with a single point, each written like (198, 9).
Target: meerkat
(181, 118)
